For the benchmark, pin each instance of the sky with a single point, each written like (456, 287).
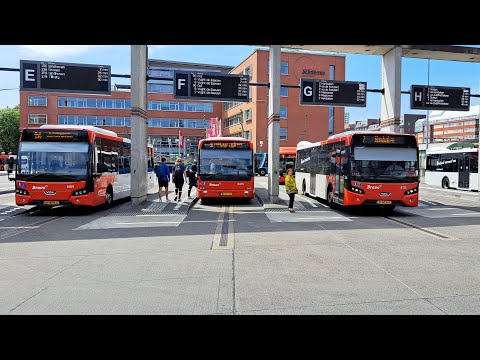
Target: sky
(358, 68)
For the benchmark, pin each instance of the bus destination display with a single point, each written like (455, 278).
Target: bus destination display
(211, 86)
(60, 136)
(65, 77)
(225, 145)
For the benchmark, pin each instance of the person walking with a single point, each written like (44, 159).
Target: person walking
(192, 178)
(163, 174)
(178, 178)
(291, 187)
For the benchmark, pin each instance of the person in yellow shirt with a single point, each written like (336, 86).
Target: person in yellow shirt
(291, 188)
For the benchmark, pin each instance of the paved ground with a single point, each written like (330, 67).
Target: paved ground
(243, 258)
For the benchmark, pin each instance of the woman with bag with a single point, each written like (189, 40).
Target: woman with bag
(291, 188)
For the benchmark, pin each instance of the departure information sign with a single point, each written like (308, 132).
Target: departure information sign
(333, 93)
(424, 97)
(211, 86)
(65, 77)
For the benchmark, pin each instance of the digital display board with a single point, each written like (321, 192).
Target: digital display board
(65, 77)
(333, 93)
(225, 145)
(439, 98)
(384, 140)
(211, 86)
(55, 135)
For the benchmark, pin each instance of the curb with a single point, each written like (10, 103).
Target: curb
(193, 202)
(259, 199)
(7, 192)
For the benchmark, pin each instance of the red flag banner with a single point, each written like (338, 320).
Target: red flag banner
(180, 136)
(213, 127)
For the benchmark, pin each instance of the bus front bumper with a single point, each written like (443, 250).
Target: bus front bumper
(246, 194)
(353, 199)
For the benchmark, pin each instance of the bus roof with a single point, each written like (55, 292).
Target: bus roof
(225, 138)
(81, 127)
(449, 151)
(347, 135)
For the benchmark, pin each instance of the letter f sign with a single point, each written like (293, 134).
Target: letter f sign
(180, 83)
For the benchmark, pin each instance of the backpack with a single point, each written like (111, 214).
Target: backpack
(161, 172)
(178, 173)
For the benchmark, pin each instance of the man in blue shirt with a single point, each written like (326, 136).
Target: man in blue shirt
(163, 175)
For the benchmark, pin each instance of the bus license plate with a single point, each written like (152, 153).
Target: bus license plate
(225, 194)
(384, 202)
(50, 202)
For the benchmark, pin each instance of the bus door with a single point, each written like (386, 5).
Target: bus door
(312, 182)
(339, 181)
(464, 172)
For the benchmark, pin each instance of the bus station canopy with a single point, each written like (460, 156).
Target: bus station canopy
(434, 52)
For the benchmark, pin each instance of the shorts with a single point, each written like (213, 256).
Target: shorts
(162, 183)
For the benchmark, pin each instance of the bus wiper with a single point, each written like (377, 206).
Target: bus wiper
(51, 175)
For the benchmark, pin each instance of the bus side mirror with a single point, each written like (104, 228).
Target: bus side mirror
(99, 169)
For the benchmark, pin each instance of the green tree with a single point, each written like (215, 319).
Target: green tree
(10, 129)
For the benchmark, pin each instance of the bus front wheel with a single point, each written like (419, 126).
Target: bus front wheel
(262, 172)
(445, 183)
(108, 198)
(330, 201)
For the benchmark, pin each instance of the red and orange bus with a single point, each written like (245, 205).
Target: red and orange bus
(3, 161)
(225, 168)
(360, 168)
(288, 155)
(73, 165)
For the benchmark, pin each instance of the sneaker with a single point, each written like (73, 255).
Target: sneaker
(175, 199)
(167, 201)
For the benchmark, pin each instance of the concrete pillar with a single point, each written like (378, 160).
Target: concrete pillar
(391, 82)
(274, 123)
(139, 124)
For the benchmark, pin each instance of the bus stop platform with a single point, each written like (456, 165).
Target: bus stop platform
(261, 193)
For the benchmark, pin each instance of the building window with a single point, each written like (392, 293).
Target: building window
(37, 101)
(283, 133)
(283, 112)
(283, 91)
(248, 114)
(283, 67)
(37, 118)
(248, 71)
(331, 116)
(332, 72)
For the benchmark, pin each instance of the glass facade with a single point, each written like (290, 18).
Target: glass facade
(97, 103)
(125, 121)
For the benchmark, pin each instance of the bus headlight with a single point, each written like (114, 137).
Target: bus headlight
(21, 191)
(79, 192)
(411, 191)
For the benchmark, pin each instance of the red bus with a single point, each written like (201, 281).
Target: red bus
(73, 165)
(225, 167)
(288, 155)
(360, 168)
(3, 161)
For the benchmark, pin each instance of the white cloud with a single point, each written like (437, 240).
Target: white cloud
(156, 47)
(49, 51)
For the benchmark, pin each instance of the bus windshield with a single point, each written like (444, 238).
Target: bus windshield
(225, 162)
(60, 159)
(376, 164)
